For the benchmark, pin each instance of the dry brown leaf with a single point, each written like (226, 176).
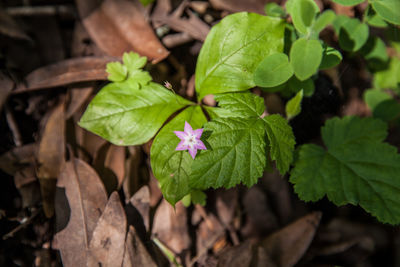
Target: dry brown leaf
(118, 26)
(51, 156)
(238, 256)
(226, 204)
(260, 218)
(135, 171)
(80, 201)
(170, 226)
(108, 241)
(82, 45)
(89, 142)
(78, 97)
(27, 184)
(135, 251)
(286, 247)
(141, 201)
(256, 6)
(9, 27)
(66, 72)
(208, 233)
(6, 85)
(109, 163)
(18, 157)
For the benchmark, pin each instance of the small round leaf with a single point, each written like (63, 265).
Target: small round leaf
(305, 57)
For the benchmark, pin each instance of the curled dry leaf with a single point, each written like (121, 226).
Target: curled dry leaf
(136, 171)
(286, 247)
(118, 26)
(80, 201)
(141, 202)
(18, 157)
(170, 226)
(66, 72)
(256, 6)
(135, 251)
(108, 241)
(51, 156)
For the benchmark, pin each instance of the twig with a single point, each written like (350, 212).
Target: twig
(27, 11)
(22, 225)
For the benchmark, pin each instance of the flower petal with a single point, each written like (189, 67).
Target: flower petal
(180, 134)
(192, 151)
(188, 128)
(200, 145)
(198, 133)
(182, 146)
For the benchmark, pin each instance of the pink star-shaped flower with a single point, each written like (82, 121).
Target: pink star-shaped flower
(190, 140)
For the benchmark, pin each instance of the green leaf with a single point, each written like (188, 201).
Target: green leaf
(390, 77)
(295, 85)
(216, 112)
(374, 97)
(274, 10)
(273, 71)
(373, 19)
(293, 106)
(236, 154)
(330, 58)
(281, 141)
(198, 197)
(305, 57)
(232, 51)
(243, 104)
(352, 33)
(388, 9)
(348, 2)
(133, 61)
(116, 72)
(323, 20)
(146, 2)
(126, 115)
(303, 14)
(357, 168)
(172, 168)
(374, 51)
(383, 106)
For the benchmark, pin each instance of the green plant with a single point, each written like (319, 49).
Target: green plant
(246, 50)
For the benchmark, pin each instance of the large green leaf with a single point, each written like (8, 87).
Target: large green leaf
(236, 154)
(357, 168)
(126, 115)
(388, 9)
(232, 51)
(281, 141)
(305, 57)
(243, 104)
(274, 70)
(172, 168)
